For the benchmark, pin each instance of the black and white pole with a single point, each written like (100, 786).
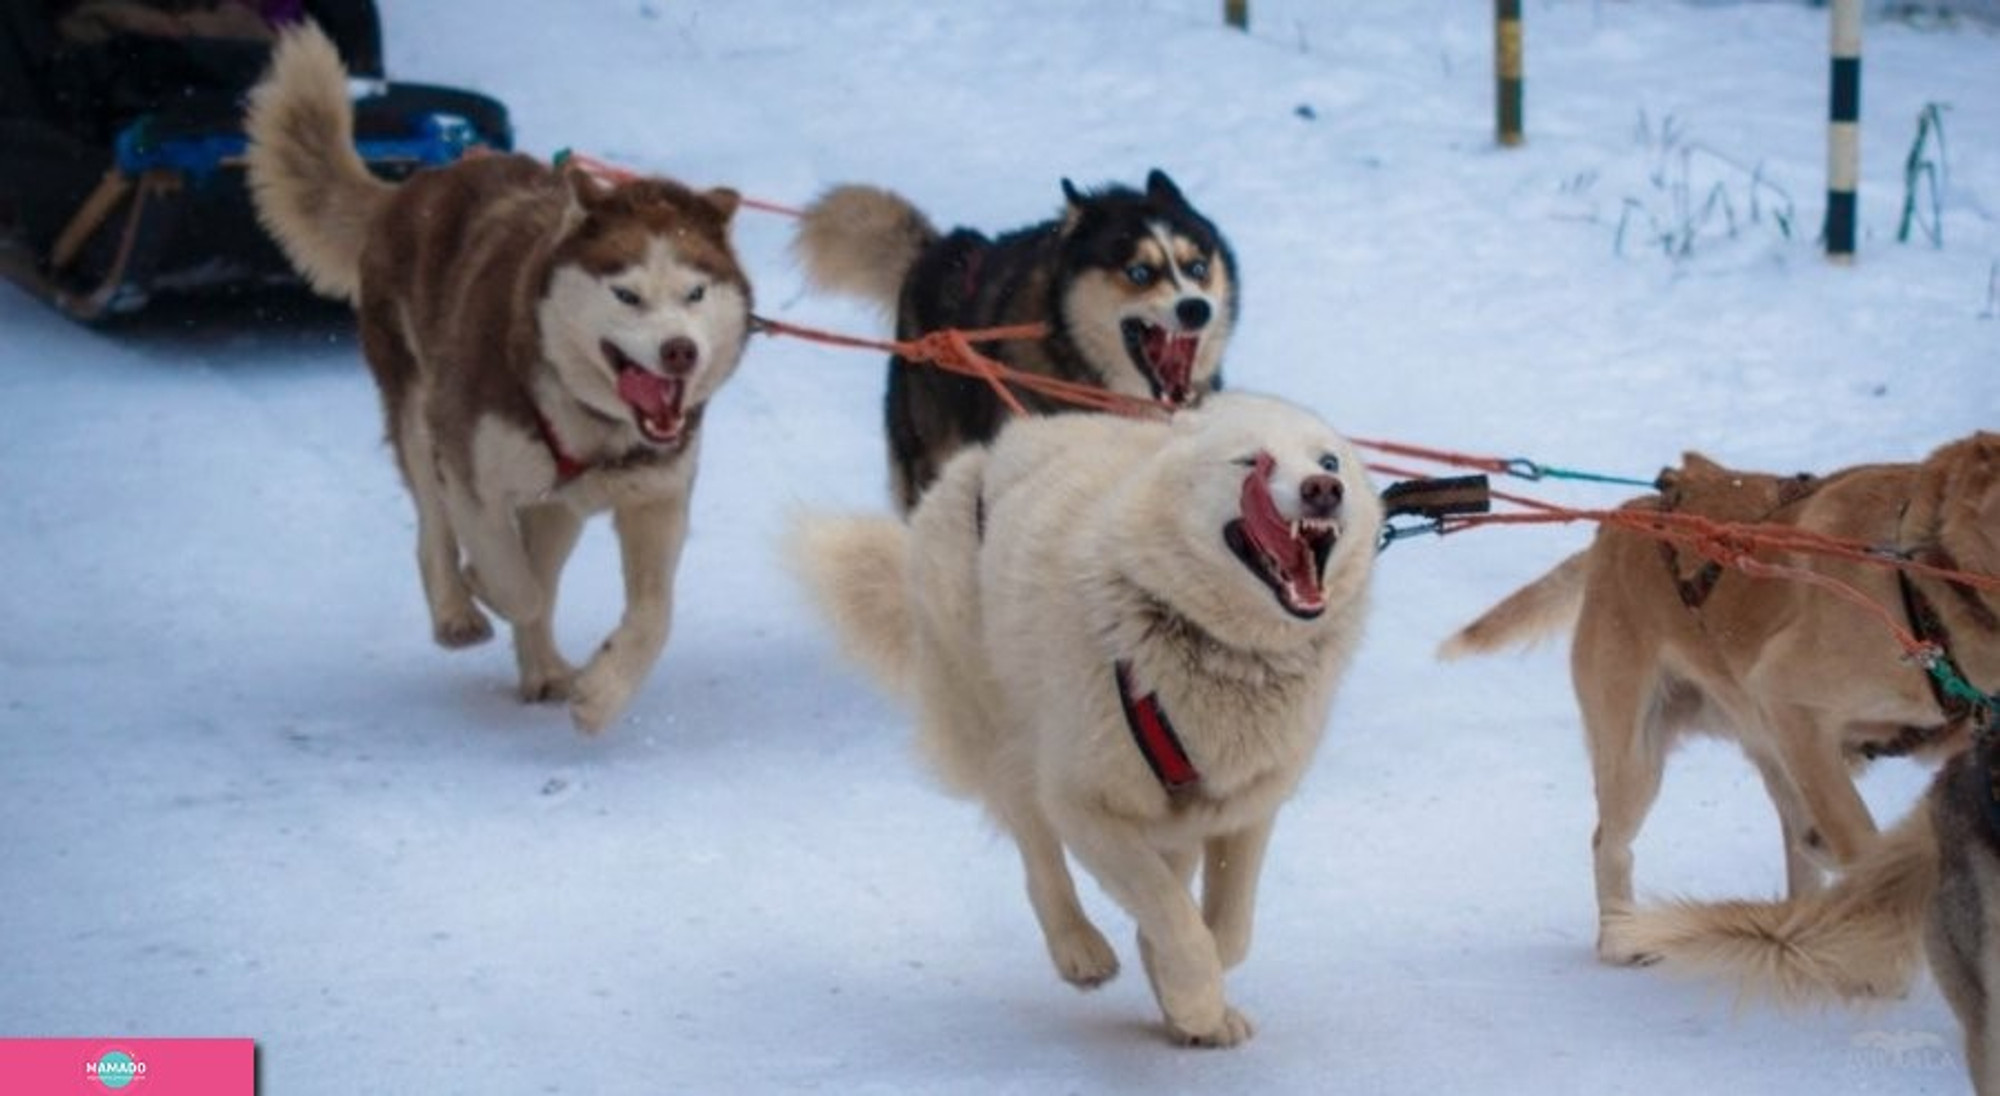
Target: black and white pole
(1843, 140)
(1507, 70)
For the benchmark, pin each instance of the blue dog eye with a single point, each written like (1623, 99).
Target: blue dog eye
(1139, 273)
(1330, 463)
(1198, 270)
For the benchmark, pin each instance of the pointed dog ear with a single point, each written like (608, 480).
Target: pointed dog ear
(585, 189)
(1162, 189)
(724, 201)
(585, 185)
(1072, 206)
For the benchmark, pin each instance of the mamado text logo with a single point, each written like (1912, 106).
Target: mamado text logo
(115, 1069)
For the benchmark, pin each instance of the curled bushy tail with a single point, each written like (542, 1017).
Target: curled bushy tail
(1546, 605)
(862, 241)
(1861, 938)
(856, 570)
(312, 190)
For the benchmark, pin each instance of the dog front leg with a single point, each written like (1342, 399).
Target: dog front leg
(650, 536)
(1081, 955)
(550, 532)
(1178, 950)
(1229, 877)
(498, 571)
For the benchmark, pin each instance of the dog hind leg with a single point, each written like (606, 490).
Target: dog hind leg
(1962, 937)
(455, 620)
(1803, 874)
(1812, 754)
(1627, 757)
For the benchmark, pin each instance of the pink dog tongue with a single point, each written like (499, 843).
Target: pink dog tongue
(1272, 534)
(1173, 360)
(655, 396)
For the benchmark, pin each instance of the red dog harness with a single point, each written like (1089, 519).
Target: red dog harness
(1154, 734)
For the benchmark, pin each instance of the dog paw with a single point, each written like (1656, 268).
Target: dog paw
(596, 697)
(1083, 957)
(464, 629)
(1613, 951)
(1233, 1029)
(547, 686)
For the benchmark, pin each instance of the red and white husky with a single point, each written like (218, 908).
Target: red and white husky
(545, 344)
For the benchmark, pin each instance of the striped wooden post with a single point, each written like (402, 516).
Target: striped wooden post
(1236, 13)
(1843, 139)
(1507, 70)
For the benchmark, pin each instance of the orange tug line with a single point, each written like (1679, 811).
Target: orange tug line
(951, 349)
(1728, 543)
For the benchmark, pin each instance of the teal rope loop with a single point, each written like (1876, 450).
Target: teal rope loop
(1523, 468)
(1985, 706)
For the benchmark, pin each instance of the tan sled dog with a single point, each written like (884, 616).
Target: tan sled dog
(1935, 877)
(1807, 683)
(545, 347)
(1123, 637)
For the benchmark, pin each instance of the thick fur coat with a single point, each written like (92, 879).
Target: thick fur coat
(1808, 683)
(1138, 291)
(1932, 883)
(1218, 562)
(545, 345)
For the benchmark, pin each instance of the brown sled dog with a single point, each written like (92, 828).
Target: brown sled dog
(1935, 877)
(1806, 682)
(545, 348)
(1138, 290)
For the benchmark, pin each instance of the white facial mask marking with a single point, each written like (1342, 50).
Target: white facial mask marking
(1165, 239)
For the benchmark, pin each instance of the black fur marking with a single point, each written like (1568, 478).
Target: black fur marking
(968, 280)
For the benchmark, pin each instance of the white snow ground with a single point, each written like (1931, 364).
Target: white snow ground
(242, 794)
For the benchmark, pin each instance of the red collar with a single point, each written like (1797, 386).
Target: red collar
(1154, 734)
(567, 467)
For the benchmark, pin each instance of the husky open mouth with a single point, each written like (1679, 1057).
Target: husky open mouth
(1166, 358)
(1289, 555)
(655, 400)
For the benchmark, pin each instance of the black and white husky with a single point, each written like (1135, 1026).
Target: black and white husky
(1137, 288)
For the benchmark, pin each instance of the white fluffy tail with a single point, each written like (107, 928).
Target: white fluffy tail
(312, 190)
(862, 241)
(1859, 939)
(856, 569)
(1547, 605)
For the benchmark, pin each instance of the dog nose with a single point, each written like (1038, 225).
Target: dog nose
(1193, 312)
(679, 356)
(1321, 495)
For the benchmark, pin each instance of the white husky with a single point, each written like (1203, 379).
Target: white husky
(545, 345)
(1123, 637)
